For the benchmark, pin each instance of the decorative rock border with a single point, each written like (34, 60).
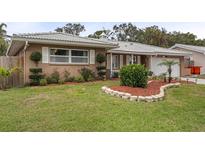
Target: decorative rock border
(151, 98)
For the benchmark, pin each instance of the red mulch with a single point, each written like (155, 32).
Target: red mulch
(152, 88)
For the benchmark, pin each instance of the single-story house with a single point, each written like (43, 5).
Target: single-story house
(197, 57)
(63, 51)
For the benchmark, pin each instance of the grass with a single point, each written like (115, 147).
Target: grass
(84, 107)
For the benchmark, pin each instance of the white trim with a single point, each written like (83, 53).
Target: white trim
(111, 65)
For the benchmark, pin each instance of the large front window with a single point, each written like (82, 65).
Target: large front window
(69, 56)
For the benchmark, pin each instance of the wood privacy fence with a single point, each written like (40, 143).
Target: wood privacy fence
(16, 79)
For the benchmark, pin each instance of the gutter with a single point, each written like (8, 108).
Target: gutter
(24, 60)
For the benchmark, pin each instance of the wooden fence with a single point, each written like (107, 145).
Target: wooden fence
(16, 79)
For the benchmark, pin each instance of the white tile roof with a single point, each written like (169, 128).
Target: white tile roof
(133, 47)
(200, 49)
(57, 36)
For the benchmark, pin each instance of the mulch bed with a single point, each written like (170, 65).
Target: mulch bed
(152, 88)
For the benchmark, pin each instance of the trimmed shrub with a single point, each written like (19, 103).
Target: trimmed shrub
(101, 68)
(79, 79)
(86, 73)
(36, 57)
(43, 82)
(35, 76)
(100, 58)
(134, 75)
(35, 70)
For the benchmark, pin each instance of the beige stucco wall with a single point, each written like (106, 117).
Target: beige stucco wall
(199, 58)
(49, 68)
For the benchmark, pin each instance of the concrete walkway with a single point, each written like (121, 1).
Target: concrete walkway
(195, 80)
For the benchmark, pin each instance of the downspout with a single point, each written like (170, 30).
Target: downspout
(24, 61)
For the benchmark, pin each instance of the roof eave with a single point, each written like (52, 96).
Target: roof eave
(86, 44)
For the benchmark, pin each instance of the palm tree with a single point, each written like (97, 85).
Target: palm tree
(2, 30)
(169, 64)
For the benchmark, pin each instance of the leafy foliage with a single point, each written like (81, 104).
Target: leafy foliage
(134, 75)
(36, 56)
(169, 64)
(101, 58)
(66, 75)
(54, 77)
(87, 74)
(3, 42)
(71, 28)
(43, 82)
(5, 73)
(79, 79)
(35, 76)
(152, 35)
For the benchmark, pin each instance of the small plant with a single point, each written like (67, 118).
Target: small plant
(5, 73)
(61, 81)
(79, 79)
(66, 75)
(36, 76)
(55, 76)
(36, 57)
(101, 58)
(43, 82)
(134, 75)
(71, 79)
(86, 73)
(150, 73)
(169, 64)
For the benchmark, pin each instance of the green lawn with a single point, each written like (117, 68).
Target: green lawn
(84, 107)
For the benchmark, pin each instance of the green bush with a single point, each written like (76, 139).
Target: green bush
(101, 68)
(86, 73)
(35, 70)
(55, 76)
(35, 76)
(100, 58)
(79, 79)
(71, 79)
(36, 57)
(43, 82)
(101, 74)
(134, 75)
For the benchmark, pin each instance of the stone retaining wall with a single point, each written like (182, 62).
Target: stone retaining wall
(152, 98)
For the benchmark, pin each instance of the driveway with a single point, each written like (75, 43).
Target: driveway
(195, 80)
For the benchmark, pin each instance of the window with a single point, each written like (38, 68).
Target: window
(69, 56)
(59, 56)
(78, 56)
(115, 61)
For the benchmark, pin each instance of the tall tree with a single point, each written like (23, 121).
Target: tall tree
(3, 42)
(2, 30)
(107, 34)
(71, 28)
(155, 36)
(127, 32)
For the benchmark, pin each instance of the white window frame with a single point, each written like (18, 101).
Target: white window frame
(69, 56)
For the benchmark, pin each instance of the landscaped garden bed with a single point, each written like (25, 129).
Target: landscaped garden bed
(152, 88)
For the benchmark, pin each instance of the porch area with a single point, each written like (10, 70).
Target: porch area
(116, 61)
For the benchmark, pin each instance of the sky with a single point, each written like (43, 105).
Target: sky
(198, 28)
